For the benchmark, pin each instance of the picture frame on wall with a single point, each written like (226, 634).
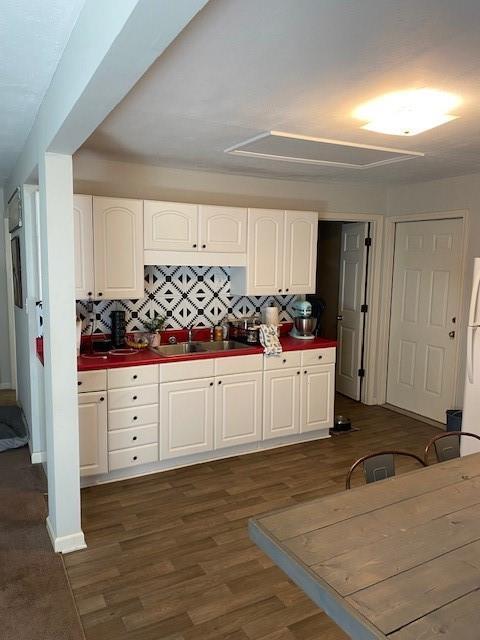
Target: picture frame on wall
(17, 273)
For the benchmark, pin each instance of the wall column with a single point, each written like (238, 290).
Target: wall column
(61, 412)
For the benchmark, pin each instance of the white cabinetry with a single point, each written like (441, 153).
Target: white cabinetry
(191, 234)
(118, 248)
(281, 253)
(108, 248)
(316, 409)
(238, 409)
(92, 424)
(281, 403)
(83, 249)
(186, 417)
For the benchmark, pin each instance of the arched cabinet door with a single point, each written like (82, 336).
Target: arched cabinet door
(222, 229)
(83, 252)
(171, 226)
(118, 248)
(265, 252)
(301, 228)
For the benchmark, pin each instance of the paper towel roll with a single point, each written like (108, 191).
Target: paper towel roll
(271, 315)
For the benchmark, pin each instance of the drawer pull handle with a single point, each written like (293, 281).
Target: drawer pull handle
(134, 457)
(134, 397)
(102, 399)
(135, 377)
(134, 438)
(135, 417)
(320, 357)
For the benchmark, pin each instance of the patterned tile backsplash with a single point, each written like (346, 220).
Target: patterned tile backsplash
(187, 296)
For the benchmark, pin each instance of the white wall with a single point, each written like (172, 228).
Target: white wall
(449, 194)
(5, 373)
(98, 176)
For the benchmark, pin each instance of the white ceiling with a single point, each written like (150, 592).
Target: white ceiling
(33, 34)
(243, 67)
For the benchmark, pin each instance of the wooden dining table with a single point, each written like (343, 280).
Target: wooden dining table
(397, 559)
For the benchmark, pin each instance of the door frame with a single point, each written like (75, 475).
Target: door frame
(370, 386)
(387, 288)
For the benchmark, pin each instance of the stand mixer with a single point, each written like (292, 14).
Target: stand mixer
(303, 324)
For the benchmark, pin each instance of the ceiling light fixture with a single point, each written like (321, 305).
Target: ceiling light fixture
(407, 113)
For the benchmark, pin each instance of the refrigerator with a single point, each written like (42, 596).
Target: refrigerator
(471, 398)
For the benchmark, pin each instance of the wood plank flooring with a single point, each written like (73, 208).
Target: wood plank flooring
(169, 557)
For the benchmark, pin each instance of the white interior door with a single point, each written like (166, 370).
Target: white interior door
(425, 298)
(350, 299)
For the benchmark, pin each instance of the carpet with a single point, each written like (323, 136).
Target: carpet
(35, 598)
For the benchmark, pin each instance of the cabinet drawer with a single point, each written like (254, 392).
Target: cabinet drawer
(132, 417)
(177, 371)
(318, 356)
(92, 381)
(125, 438)
(133, 396)
(132, 457)
(286, 360)
(129, 376)
(238, 364)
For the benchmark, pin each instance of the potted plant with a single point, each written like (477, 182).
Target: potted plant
(153, 327)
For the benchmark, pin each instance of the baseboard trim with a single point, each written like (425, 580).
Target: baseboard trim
(65, 544)
(415, 416)
(38, 457)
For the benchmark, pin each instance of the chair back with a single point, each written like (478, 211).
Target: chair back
(447, 445)
(380, 465)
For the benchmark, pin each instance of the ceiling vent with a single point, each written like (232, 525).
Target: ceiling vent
(288, 147)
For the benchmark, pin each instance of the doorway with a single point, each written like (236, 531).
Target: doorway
(424, 316)
(342, 292)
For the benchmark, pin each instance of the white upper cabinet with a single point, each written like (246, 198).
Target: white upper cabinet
(301, 230)
(83, 252)
(222, 229)
(118, 248)
(170, 226)
(281, 254)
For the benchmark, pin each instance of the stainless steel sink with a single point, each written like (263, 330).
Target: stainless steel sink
(185, 348)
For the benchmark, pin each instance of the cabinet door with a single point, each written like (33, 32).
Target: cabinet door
(118, 248)
(186, 418)
(92, 423)
(171, 226)
(238, 409)
(265, 245)
(83, 249)
(317, 396)
(301, 230)
(281, 403)
(222, 229)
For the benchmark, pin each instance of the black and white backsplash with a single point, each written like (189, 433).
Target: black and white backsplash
(186, 296)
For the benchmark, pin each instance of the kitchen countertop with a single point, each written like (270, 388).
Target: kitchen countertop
(146, 356)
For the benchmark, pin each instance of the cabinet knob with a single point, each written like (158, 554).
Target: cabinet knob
(79, 383)
(284, 361)
(89, 294)
(135, 397)
(204, 246)
(135, 417)
(194, 246)
(305, 371)
(287, 289)
(102, 399)
(134, 457)
(100, 293)
(279, 291)
(298, 373)
(134, 438)
(135, 377)
(320, 357)
(219, 382)
(211, 384)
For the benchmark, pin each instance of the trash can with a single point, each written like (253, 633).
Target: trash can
(454, 420)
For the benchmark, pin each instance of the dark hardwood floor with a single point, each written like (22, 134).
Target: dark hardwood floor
(169, 557)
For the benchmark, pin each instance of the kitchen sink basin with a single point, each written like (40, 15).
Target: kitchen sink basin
(185, 348)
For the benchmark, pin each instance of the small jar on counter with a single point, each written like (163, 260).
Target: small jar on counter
(218, 333)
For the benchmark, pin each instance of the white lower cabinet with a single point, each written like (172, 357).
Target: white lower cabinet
(186, 417)
(238, 409)
(92, 423)
(316, 408)
(281, 403)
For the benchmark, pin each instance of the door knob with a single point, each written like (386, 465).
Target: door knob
(339, 318)
(451, 334)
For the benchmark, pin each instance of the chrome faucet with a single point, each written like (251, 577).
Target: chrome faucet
(190, 334)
